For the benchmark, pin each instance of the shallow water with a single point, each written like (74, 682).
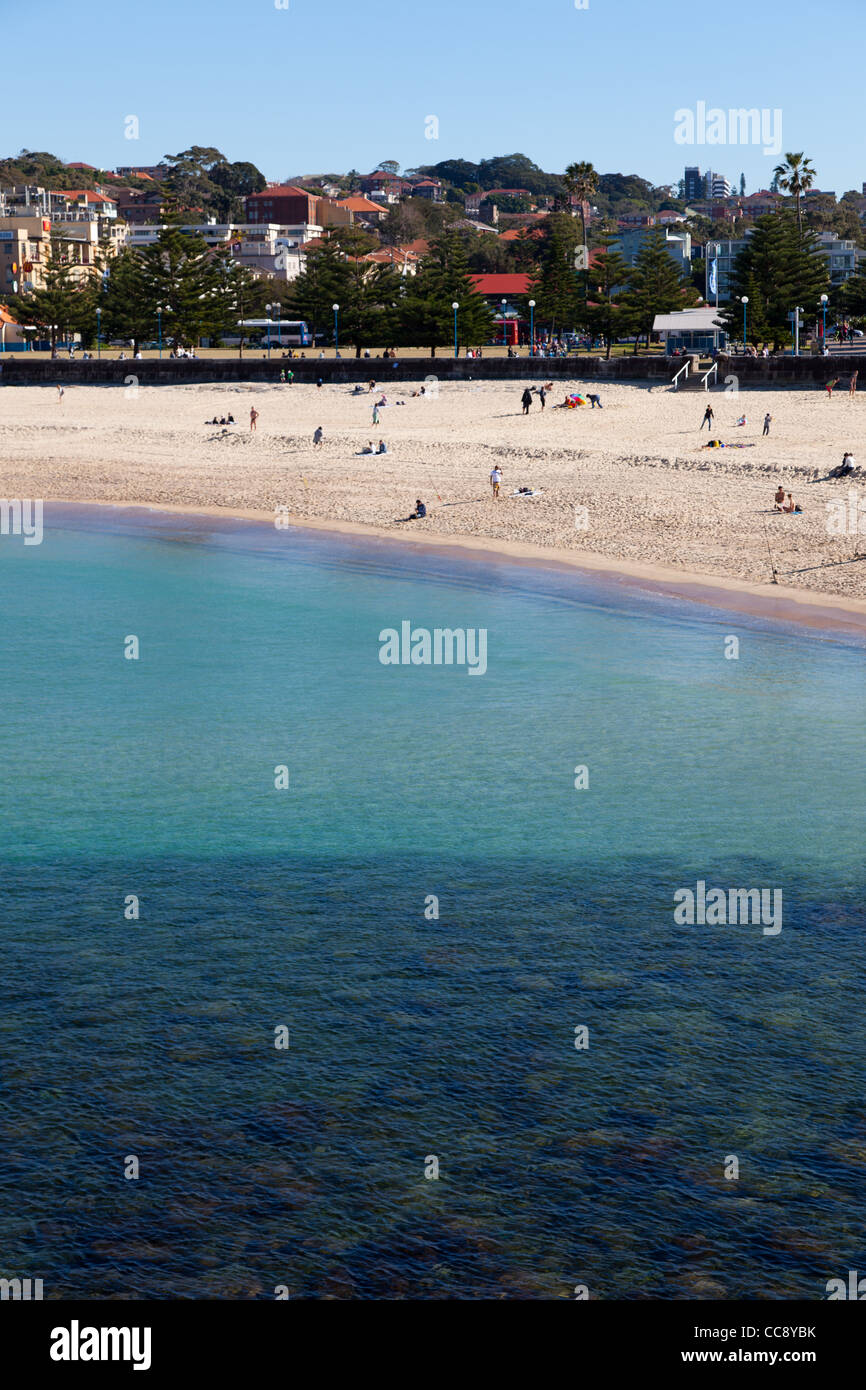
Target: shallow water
(412, 1036)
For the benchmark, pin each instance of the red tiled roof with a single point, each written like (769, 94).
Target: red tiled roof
(358, 203)
(501, 284)
(283, 190)
(87, 194)
(515, 233)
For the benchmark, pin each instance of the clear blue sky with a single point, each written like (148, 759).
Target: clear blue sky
(327, 85)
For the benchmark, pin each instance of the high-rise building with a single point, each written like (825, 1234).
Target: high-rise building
(694, 184)
(716, 185)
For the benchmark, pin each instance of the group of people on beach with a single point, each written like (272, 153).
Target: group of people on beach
(781, 505)
(830, 386)
(543, 391)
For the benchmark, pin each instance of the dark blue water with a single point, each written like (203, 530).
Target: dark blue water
(414, 1036)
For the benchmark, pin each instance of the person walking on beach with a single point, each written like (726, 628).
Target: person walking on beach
(60, 394)
(318, 437)
(495, 480)
(375, 414)
(542, 396)
(526, 400)
(708, 418)
(596, 401)
(830, 385)
(254, 415)
(768, 419)
(852, 385)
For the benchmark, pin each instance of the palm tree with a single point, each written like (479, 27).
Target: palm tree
(796, 176)
(581, 182)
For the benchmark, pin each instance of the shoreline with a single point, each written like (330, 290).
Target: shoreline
(780, 603)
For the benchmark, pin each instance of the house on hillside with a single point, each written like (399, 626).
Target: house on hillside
(364, 209)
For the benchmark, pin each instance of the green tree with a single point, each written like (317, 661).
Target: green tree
(63, 303)
(796, 176)
(368, 293)
(581, 182)
(425, 315)
(323, 283)
(778, 268)
(234, 183)
(655, 286)
(183, 277)
(554, 286)
(608, 279)
(128, 309)
(241, 295)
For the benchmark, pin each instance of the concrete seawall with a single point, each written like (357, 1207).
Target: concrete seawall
(759, 373)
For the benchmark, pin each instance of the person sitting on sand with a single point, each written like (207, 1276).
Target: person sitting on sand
(383, 400)
(382, 447)
(420, 510)
(742, 420)
(368, 448)
(845, 467)
(230, 419)
(778, 498)
(791, 506)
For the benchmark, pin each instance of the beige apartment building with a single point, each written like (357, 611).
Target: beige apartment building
(25, 243)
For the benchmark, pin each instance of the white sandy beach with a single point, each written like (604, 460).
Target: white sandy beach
(626, 484)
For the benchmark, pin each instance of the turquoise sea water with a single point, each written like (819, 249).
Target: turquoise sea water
(412, 1036)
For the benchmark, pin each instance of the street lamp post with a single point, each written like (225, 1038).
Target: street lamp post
(744, 301)
(159, 327)
(98, 334)
(268, 311)
(824, 299)
(336, 309)
(504, 340)
(455, 306)
(532, 327)
(279, 309)
(798, 309)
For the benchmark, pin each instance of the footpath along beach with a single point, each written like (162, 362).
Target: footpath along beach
(628, 485)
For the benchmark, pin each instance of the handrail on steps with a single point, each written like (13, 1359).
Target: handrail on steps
(684, 368)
